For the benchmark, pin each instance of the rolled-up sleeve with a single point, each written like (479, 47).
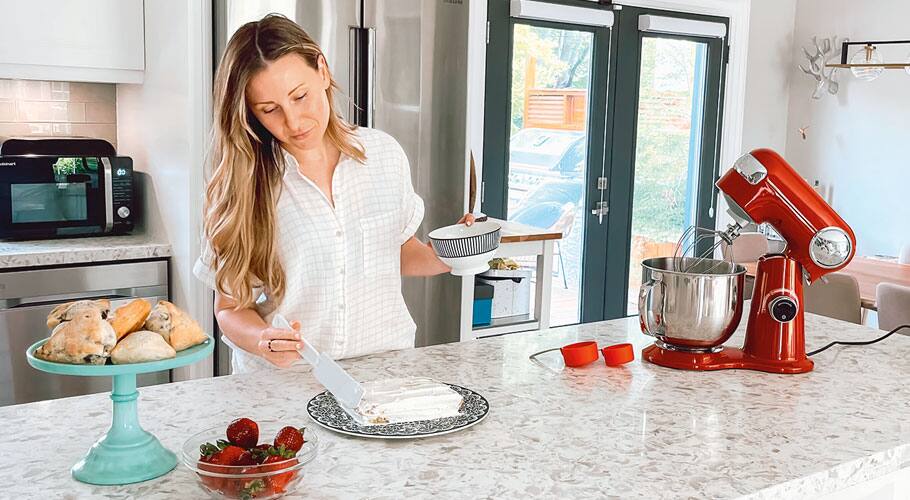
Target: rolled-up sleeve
(411, 203)
(204, 268)
(205, 271)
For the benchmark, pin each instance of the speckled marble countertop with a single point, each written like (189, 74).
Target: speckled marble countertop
(17, 254)
(641, 431)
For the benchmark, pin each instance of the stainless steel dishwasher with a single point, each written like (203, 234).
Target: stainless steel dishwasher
(28, 296)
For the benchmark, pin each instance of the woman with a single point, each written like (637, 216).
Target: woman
(306, 215)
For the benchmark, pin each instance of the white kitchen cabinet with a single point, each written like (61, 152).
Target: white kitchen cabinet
(63, 40)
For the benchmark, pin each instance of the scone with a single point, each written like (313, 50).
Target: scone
(129, 317)
(142, 346)
(177, 327)
(83, 339)
(66, 312)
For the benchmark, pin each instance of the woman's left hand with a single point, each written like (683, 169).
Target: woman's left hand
(466, 219)
(419, 259)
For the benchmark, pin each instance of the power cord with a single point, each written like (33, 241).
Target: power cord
(867, 342)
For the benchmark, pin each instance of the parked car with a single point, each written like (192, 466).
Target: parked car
(538, 149)
(537, 155)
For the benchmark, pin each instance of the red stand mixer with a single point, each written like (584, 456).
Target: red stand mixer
(760, 188)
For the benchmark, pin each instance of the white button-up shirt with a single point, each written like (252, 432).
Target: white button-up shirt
(342, 264)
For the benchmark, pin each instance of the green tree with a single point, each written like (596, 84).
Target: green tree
(662, 147)
(562, 60)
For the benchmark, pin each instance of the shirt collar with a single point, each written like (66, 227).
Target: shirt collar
(291, 163)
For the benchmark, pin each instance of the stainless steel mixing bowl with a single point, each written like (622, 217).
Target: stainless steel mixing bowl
(693, 311)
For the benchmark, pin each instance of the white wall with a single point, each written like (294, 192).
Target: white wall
(858, 140)
(163, 125)
(771, 25)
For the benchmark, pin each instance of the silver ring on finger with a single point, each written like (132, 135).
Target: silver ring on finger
(270, 346)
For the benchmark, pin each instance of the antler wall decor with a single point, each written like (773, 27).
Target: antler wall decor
(825, 77)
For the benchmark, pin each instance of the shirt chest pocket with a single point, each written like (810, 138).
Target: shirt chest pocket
(380, 248)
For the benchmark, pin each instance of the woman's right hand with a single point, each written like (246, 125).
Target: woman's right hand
(279, 346)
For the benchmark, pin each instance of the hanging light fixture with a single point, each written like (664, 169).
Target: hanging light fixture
(866, 64)
(861, 64)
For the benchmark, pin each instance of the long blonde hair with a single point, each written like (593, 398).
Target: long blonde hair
(247, 162)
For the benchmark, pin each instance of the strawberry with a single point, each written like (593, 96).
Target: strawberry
(290, 438)
(260, 452)
(252, 489)
(213, 483)
(278, 482)
(211, 456)
(245, 458)
(243, 432)
(228, 456)
(222, 453)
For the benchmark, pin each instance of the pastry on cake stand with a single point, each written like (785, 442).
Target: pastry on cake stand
(127, 453)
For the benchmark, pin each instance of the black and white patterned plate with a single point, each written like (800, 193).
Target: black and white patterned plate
(325, 411)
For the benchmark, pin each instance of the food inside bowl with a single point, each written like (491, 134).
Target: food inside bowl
(501, 264)
(239, 468)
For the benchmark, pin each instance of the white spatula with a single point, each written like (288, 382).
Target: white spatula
(330, 374)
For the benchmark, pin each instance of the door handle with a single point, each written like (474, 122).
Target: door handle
(362, 61)
(600, 210)
(108, 195)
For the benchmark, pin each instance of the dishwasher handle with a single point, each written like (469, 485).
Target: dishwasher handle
(116, 294)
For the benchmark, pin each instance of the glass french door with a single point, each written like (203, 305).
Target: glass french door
(606, 132)
(544, 134)
(672, 105)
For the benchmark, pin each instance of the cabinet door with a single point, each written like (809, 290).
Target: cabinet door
(88, 40)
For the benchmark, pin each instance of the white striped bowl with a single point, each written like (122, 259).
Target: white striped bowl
(465, 241)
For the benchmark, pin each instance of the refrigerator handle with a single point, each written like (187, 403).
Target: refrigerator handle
(362, 71)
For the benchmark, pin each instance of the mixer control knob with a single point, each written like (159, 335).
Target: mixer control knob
(783, 309)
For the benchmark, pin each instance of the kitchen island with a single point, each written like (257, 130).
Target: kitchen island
(639, 431)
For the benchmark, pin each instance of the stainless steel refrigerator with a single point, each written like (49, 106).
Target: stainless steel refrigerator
(403, 65)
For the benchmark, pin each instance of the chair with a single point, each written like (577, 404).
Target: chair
(893, 302)
(564, 225)
(552, 217)
(748, 247)
(904, 257)
(552, 206)
(838, 298)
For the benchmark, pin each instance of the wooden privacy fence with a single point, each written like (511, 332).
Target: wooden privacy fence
(561, 109)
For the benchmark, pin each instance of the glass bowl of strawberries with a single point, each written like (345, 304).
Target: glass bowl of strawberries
(250, 460)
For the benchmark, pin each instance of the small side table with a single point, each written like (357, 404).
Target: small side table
(518, 240)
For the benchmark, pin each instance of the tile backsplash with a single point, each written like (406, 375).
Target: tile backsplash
(29, 107)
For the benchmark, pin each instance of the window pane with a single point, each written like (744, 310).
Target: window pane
(667, 151)
(548, 143)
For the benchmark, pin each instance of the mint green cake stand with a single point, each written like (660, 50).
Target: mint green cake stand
(127, 453)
